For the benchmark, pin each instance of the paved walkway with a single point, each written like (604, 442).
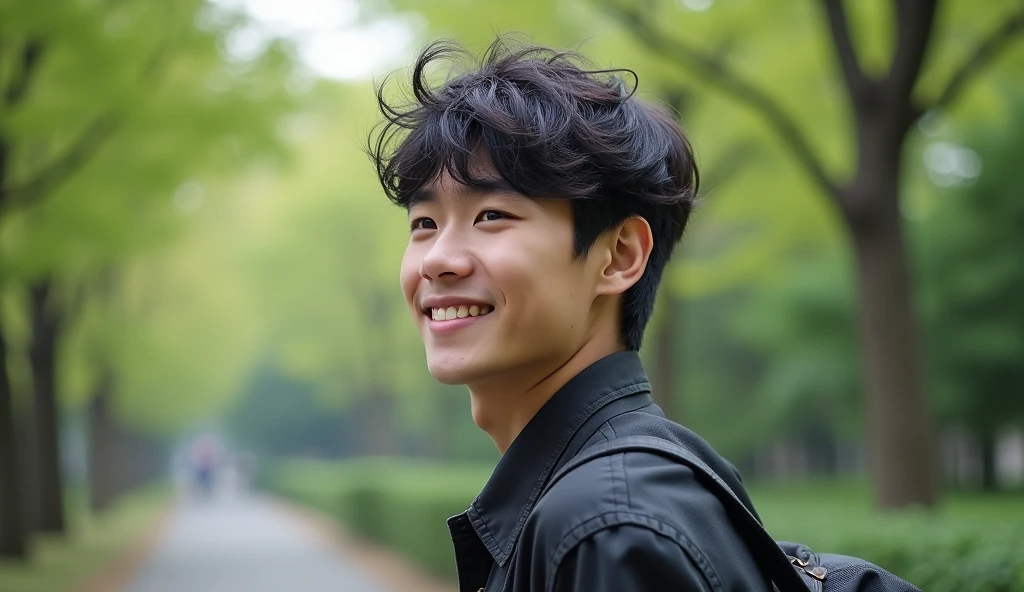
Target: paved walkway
(249, 544)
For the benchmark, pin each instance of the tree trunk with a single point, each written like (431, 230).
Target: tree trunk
(665, 383)
(987, 447)
(102, 446)
(140, 459)
(903, 453)
(25, 433)
(381, 437)
(43, 354)
(820, 448)
(12, 535)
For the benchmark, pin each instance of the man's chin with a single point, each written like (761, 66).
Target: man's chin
(452, 372)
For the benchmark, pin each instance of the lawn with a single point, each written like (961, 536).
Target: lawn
(803, 508)
(62, 564)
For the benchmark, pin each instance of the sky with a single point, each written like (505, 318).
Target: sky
(333, 38)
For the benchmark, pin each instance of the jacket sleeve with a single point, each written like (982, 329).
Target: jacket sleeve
(628, 557)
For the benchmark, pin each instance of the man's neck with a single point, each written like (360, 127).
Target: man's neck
(503, 405)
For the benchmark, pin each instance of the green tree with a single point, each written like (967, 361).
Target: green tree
(884, 96)
(125, 99)
(967, 233)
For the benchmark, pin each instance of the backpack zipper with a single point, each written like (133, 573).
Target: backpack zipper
(815, 571)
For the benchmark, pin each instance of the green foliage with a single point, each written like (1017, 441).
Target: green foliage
(807, 321)
(178, 108)
(969, 243)
(277, 415)
(177, 111)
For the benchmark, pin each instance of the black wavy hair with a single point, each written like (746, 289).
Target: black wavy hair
(551, 126)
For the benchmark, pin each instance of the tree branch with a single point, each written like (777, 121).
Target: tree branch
(981, 57)
(717, 73)
(914, 24)
(81, 149)
(28, 66)
(45, 180)
(854, 77)
(727, 167)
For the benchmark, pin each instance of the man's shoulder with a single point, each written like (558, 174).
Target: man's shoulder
(638, 489)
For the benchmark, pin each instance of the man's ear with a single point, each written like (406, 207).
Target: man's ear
(630, 247)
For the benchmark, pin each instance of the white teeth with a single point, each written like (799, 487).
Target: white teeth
(458, 312)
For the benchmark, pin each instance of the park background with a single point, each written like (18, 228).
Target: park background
(194, 251)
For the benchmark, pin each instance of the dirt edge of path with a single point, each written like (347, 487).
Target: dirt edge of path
(118, 571)
(380, 563)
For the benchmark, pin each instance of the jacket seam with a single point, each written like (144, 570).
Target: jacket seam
(625, 478)
(618, 518)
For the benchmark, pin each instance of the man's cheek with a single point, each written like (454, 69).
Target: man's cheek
(409, 279)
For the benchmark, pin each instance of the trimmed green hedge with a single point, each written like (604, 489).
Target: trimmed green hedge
(401, 504)
(972, 544)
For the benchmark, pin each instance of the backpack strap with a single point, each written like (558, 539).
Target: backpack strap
(766, 552)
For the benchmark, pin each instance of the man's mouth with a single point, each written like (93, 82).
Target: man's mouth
(459, 312)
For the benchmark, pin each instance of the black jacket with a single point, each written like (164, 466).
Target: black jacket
(628, 522)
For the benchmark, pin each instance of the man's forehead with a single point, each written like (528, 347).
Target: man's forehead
(444, 186)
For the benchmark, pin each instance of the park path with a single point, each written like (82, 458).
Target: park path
(247, 542)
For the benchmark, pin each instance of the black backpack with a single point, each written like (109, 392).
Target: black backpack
(792, 567)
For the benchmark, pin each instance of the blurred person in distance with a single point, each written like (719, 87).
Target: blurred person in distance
(205, 458)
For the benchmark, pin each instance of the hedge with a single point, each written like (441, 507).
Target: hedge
(400, 504)
(972, 544)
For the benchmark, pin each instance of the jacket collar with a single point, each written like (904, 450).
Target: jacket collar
(498, 514)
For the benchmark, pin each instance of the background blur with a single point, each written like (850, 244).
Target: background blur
(200, 315)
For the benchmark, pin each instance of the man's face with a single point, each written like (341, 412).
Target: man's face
(491, 284)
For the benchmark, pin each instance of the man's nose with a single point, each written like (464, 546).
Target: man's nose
(448, 257)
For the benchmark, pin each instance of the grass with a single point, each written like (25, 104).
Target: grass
(62, 563)
(816, 509)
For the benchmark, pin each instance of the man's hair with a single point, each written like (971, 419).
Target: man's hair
(551, 128)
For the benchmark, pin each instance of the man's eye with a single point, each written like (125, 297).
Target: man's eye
(423, 224)
(492, 215)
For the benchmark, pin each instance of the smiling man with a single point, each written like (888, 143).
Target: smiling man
(544, 201)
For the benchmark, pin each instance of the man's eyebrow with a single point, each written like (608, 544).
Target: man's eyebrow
(420, 195)
(495, 185)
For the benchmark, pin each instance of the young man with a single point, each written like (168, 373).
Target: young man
(544, 201)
